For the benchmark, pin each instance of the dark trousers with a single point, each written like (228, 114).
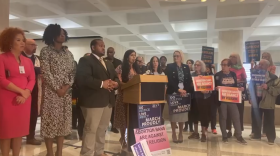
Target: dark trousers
(269, 121)
(204, 110)
(214, 109)
(33, 115)
(240, 107)
(81, 120)
(162, 108)
(254, 115)
(74, 117)
(113, 114)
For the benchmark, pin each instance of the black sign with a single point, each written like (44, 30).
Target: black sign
(149, 115)
(253, 51)
(207, 55)
(178, 104)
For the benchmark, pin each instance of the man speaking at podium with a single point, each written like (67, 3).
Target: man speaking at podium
(96, 81)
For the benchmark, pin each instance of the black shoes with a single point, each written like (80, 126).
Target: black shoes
(194, 136)
(114, 130)
(241, 140)
(225, 140)
(229, 134)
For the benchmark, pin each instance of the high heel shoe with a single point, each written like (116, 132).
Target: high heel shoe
(174, 138)
(181, 138)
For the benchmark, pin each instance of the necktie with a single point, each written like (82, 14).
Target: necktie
(102, 62)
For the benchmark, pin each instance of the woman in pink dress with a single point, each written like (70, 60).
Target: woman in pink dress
(17, 79)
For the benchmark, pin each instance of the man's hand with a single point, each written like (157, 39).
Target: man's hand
(264, 86)
(20, 100)
(107, 84)
(25, 93)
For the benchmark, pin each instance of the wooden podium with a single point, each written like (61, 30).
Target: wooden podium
(141, 89)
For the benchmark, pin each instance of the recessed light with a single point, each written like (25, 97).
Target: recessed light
(241, 0)
(222, 0)
(183, 0)
(203, 0)
(261, 0)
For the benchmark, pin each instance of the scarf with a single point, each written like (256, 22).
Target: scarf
(237, 66)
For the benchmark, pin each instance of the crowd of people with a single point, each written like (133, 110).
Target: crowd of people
(65, 93)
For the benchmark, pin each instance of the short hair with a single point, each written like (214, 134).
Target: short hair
(181, 54)
(266, 62)
(94, 42)
(229, 63)
(190, 61)
(139, 57)
(162, 58)
(7, 38)
(110, 48)
(203, 66)
(51, 32)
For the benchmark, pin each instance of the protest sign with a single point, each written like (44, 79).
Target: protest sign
(141, 149)
(230, 94)
(178, 104)
(203, 83)
(258, 76)
(156, 138)
(149, 115)
(207, 55)
(253, 51)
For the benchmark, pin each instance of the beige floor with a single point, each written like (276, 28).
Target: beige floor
(213, 147)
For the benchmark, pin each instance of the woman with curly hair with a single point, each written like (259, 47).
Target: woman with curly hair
(58, 68)
(17, 79)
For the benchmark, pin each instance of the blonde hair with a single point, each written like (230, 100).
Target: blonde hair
(238, 62)
(202, 65)
(269, 59)
(181, 54)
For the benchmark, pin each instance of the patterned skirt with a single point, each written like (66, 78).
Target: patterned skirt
(120, 112)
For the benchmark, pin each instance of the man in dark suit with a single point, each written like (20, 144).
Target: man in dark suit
(96, 80)
(116, 62)
(29, 51)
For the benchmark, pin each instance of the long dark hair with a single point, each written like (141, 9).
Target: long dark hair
(126, 66)
(151, 67)
(210, 67)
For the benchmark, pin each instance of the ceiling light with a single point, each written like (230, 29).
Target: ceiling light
(261, 0)
(183, 0)
(203, 0)
(222, 0)
(12, 17)
(241, 0)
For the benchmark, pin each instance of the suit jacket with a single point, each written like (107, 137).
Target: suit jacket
(90, 74)
(173, 80)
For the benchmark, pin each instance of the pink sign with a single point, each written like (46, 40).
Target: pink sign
(156, 138)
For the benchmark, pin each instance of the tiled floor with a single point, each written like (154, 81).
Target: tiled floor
(213, 147)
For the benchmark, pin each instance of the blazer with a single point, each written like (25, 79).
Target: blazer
(90, 74)
(173, 81)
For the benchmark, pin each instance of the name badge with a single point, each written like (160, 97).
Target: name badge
(21, 70)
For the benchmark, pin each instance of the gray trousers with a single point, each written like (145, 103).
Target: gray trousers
(231, 109)
(96, 123)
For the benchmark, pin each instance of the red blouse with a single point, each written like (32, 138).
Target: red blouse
(240, 73)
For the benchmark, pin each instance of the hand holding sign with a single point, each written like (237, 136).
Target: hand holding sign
(264, 86)
(182, 92)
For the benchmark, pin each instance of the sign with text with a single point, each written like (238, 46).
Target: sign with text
(149, 115)
(141, 149)
(207, 55)
(203, 83)
(179, 104)
(258, 76)
(156, 138)
(230, 94)
(253, 50)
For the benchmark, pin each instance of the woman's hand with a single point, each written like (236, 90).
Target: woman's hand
(217, 88)
(182, 92)
(205, 92)
(20, 100)
(25, 93)
(241, 89)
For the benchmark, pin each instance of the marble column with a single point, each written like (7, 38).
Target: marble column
(4, 14)
(230, 42)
